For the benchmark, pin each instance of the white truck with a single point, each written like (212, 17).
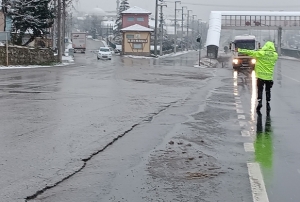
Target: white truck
(79, 42)
(244, 42)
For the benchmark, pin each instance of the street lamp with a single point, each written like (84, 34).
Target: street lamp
(175, 47)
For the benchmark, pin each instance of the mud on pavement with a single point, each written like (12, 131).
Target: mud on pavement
(204, 160)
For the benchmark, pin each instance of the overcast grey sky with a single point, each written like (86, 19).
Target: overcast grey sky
(202, 11)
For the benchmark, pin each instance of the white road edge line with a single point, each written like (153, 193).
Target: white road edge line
(239, 111)
(245, 133)
(258, 188)
(241, 116)
(291, 78)
(249, 147)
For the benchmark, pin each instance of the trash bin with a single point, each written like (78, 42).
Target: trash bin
(71, 52)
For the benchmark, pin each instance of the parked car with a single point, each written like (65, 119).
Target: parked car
(104, 53)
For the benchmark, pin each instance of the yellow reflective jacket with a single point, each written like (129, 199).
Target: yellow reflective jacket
(266, 58)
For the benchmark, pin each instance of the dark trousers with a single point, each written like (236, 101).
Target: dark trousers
(260, 88)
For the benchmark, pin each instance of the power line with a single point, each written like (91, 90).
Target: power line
(236, 6)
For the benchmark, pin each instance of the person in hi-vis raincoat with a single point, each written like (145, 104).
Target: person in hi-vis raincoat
(266, 58)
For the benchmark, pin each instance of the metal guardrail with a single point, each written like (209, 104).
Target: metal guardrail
(290, 52)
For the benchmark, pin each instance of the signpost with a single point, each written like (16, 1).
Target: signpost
(199, 41)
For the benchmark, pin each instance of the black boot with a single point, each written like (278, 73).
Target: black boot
(259, 106)
(268, 107)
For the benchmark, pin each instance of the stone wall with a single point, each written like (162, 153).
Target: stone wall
(26, 56)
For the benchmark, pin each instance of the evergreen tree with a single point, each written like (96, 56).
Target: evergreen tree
(33, 16)
(118, 25)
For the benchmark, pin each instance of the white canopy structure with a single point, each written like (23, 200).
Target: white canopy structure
(268, 20)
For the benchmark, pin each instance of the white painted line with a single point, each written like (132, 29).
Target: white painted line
(249, 147)
(238, 101)
(241, 117)
(291, 78)
(243, 124)
(259, 192)
(239, 106)
(237, 98)
(239, 111)
(245, 133)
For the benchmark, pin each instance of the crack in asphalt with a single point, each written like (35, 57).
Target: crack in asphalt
(146, 120)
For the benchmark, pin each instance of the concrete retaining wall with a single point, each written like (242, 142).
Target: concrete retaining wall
(26, 56)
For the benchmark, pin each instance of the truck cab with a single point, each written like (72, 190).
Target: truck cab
(240, 61)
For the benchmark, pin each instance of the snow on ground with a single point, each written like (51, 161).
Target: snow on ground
(104, 43)
(32, 66)
(138, 57)
(206, 62)
(67, 59)
(289, 58)
(176, 54)
(163, 56)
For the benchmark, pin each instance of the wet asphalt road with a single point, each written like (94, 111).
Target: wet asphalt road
(142, 130)
(277, 136)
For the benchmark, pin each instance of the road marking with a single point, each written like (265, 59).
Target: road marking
(291, 78)
(245, 133)
(298, 171)
(239, 106)
(249, 147)
(238, 102)
(239, 111)
(258, 188)
(237, 98)
(241, 117)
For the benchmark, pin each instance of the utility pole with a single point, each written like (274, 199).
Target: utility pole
(54, 28)
(200, 28)
(175, 42)
(161, 28)
(59, 51)
(182, 20)
(187, 29)
(64, 26)
(155, 31)
(193, 30)
(118, 5)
